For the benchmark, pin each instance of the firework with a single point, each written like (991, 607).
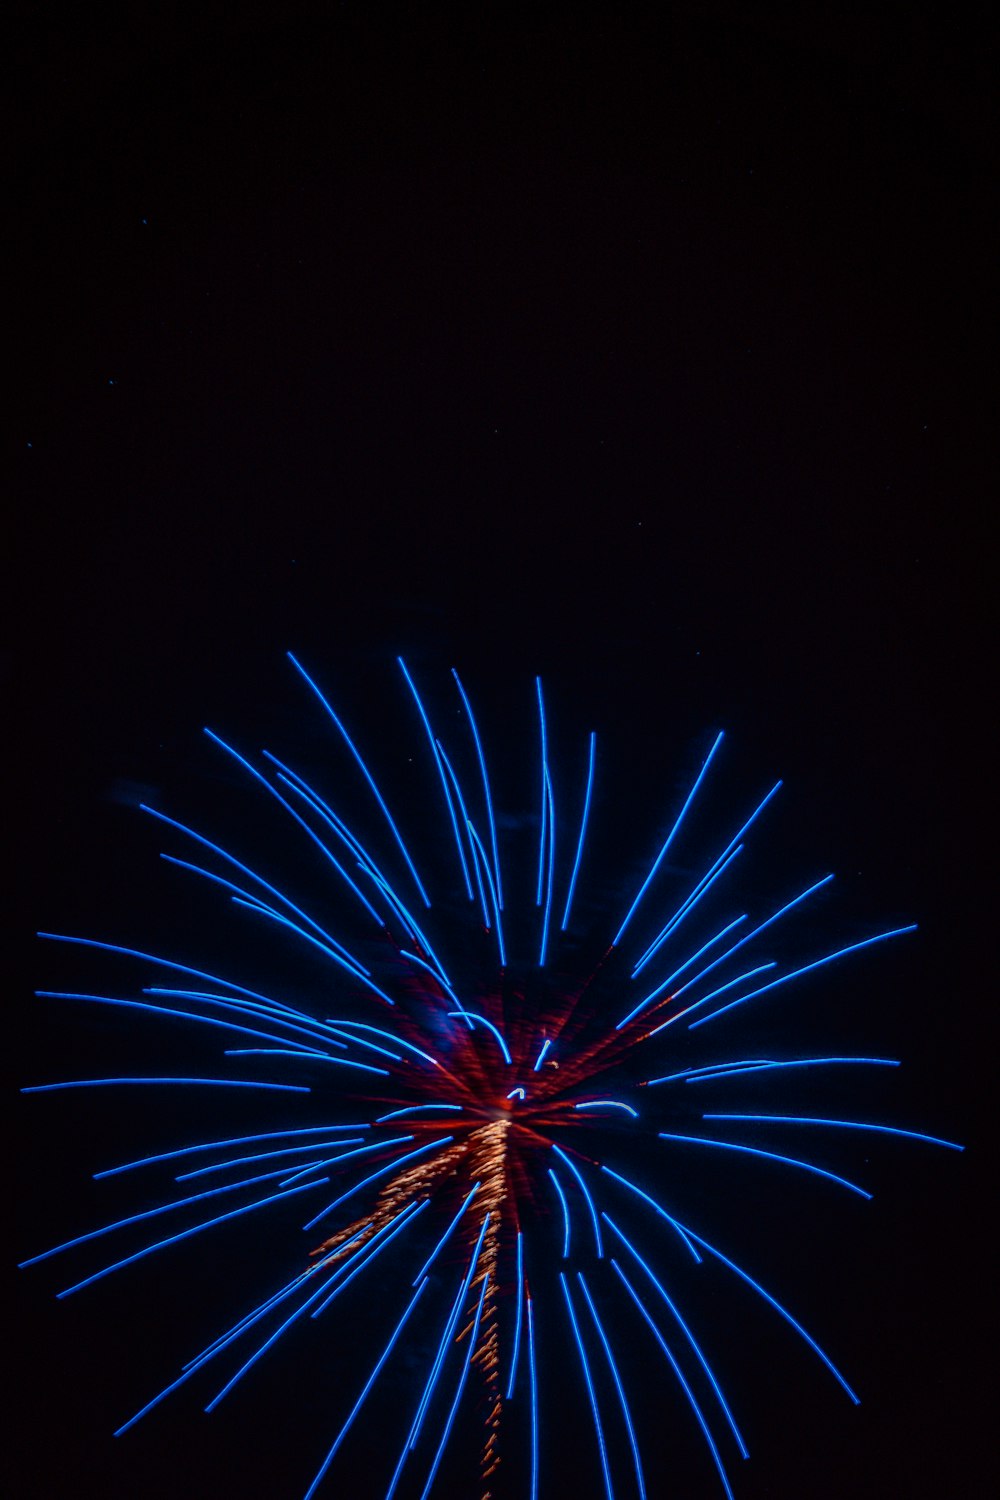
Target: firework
(484, 1079)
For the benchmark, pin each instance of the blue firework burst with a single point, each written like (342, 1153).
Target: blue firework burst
(489, 1116)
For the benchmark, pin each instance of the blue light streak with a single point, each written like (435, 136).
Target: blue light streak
(590, 1387)
(565, 1211)
(293, 1317)
(473, 1015)
(665, 986)
(618, 1386)
(589, 1200)
(818, 963)
(707, 1074)
(414, 927)
(440, 770)
(696, 1004)
(297, 783)
(384, 1236)
(221, 1083)
(415, 1109)
(668, 841)
(222, 1166)
(473, 835)
(413, 958)
(583, 829)
(695, 956)
(361, 1041)
(166, 963)
(429, 1385)
(401, 912)
(706, 1367)
(378, 1031)
(148, 1213)
(231, 859)
(328, 1460)
(541, 1056)
(254, 1005)
(551, 870)
(309, 1169)
(458, 1394)
(443, 1140)
(300, 1051)
(687, 906)
(467, 824)
(534, 1402)
(310, 832)
(910, 1135)
(517, 1324)
(545, 802)
(245, 1161)
(217, 1345)
(788, 1161)
(608, 1104)
(692, 1400)
(188, 1015)
(184, 1234)
(708, 880)
(447, 1234)
(239, 1140)
(366, 863)
(367, 775)
(711, 1070)
(782, 1311)
(753, 816)
(441, 1355)
(325, 943)
(244, 1324)
(274, 916)
(762, 927)
(678, 1228)
(486, 787)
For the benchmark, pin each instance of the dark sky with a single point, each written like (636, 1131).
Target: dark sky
(650, 357)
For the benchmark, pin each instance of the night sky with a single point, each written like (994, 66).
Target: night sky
(648, 357)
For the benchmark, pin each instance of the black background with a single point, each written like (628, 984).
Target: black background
(652, 358)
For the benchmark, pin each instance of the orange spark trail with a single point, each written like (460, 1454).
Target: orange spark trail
(417, 1182)
(488, 1162)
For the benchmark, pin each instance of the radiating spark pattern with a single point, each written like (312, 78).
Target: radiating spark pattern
(485, 1100)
